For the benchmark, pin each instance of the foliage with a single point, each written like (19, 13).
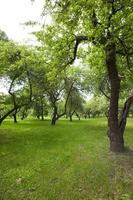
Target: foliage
(91, 19)
(97, 106)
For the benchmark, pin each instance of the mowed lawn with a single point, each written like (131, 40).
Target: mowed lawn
(69, 161)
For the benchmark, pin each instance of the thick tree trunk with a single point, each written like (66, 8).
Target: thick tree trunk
(116, 138)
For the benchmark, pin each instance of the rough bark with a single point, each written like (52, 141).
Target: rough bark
(116, 138)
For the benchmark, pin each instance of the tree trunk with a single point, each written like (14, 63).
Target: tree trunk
(42, 117)
(70, 115)
(124, 115)
(78, 116)
(38, 116)
(116, 138)
(71, 119)
(6, 115)
(15, 116)
(53, 122)
(24, 115)
(42, 108)
(42, 114)
(54, 118)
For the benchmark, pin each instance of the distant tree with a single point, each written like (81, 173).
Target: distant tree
(97, 106)
(75, 104)
(40, 106)
(3, 36)
(53, 87)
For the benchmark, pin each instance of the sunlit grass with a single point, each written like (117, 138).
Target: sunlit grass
(69, 161)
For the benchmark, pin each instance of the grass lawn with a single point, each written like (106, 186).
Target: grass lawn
(69, 161)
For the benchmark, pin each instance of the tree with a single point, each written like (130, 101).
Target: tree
(103, 24)
(52, 84)
(40, 105)
(52, 77)
(3, 36)
(15, 66)
(75, 103)
(97, 106)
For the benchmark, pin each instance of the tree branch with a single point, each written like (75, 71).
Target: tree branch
(77, 41)
(125, 111)
(102, 90)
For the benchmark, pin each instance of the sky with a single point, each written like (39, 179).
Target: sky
(15, 12)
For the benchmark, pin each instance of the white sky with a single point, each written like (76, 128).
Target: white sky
(15, 12)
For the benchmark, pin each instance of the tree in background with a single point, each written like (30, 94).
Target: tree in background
(96, 107)
(3, 36)
(15, 64)
(75, 104)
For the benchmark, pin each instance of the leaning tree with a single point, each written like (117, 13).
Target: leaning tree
(16, 64)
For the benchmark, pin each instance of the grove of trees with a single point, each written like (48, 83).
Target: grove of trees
(87, 48)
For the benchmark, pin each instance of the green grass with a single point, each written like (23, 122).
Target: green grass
(69, 161)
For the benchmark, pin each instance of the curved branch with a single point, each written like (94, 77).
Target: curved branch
(102, 89)
(77, 40)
